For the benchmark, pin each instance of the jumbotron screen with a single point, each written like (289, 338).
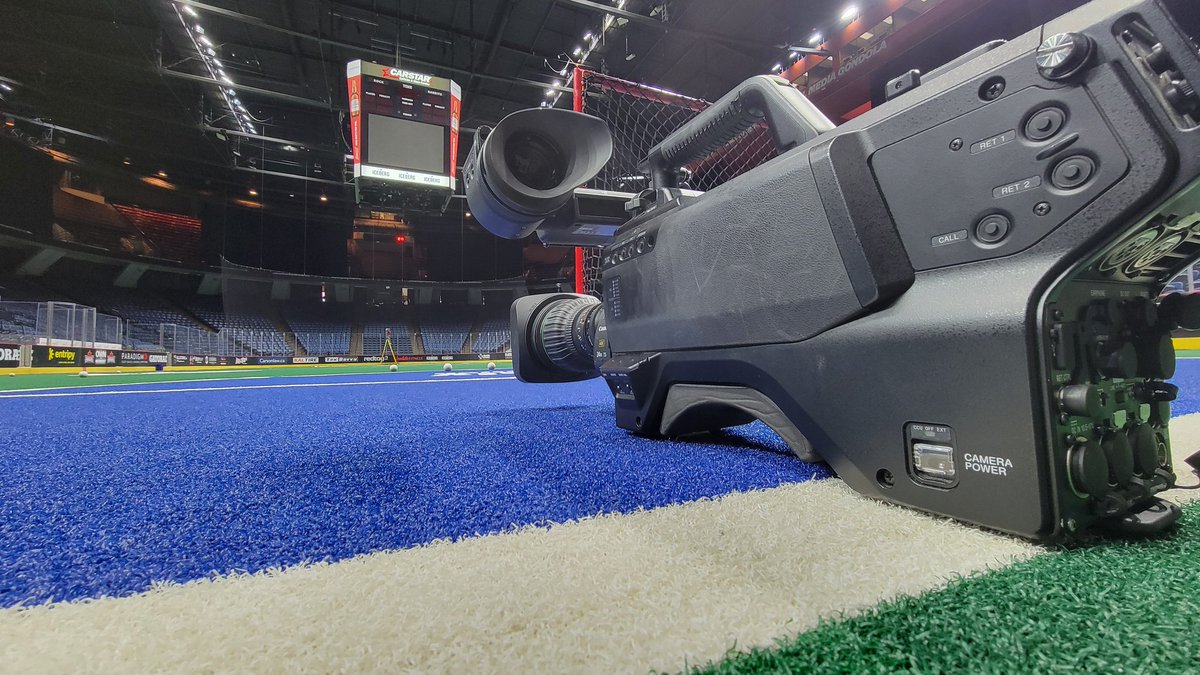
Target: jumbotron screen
(403, 125)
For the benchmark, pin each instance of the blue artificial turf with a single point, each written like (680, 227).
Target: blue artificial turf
(102, 495)
(1187, 378)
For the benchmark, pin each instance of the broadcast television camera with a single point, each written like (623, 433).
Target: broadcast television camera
(951, 299)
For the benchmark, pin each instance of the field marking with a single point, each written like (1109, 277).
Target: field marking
(159, 373)
(134, 384)
(255, 386)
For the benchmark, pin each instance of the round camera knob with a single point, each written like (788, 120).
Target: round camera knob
(1062, 55)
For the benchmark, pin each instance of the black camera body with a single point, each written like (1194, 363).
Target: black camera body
(951, 299)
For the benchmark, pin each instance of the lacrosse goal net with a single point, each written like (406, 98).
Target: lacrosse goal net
(640, 116)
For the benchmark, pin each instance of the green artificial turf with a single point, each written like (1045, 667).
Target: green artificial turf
(107, 377)
(1118, 606)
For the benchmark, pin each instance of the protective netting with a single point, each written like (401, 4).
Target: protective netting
(640, 116)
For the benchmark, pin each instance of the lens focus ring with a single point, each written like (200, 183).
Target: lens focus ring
(564, 336)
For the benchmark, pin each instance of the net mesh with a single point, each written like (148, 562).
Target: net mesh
(640, 116)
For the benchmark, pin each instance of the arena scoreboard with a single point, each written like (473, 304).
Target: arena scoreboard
(404, 135)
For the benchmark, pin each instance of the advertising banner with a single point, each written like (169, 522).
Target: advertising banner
(57, 356)
(99, 357)
(10, 355)
(131, 358)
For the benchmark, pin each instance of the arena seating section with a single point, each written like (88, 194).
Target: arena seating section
(82, 217)
(18, 314)
(378, 320)
(493, 332)
(445, 328)
(171, 235)
(322, 329)
(257, 324)
(258, 334)
(18, 320)
(85, 218)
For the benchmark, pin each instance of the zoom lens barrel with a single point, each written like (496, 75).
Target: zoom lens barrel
(554, 337)
(564, 335)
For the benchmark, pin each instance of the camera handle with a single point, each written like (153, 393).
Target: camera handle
(790, 116)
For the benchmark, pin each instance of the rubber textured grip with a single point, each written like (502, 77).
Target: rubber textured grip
(729, 123)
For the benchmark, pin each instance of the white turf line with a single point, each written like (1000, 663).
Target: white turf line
(162, 373)
(303, 385)
(135, 384)
(655, 589)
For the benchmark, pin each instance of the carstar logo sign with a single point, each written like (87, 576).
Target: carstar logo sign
(401, 74)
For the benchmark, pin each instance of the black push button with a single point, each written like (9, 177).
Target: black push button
(1073, 172)
(993, 229)
(1044, 124)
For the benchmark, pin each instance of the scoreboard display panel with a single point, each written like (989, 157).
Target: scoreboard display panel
(403, 126)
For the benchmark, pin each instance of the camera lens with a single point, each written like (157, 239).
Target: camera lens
(535, 160)
(565, 333)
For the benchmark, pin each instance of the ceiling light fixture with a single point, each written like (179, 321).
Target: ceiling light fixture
(850, 13)
(815, 39)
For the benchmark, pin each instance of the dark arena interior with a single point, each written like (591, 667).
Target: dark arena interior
(604, 336)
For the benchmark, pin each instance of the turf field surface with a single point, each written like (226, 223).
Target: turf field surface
(340, 513)
(110, 488)
(55, 378)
